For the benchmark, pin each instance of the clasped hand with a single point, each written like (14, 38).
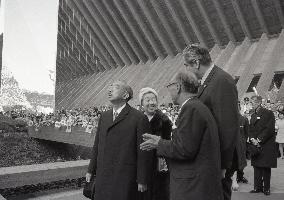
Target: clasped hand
(255, 141)
(150, 142)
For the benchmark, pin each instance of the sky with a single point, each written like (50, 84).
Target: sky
(29, 44)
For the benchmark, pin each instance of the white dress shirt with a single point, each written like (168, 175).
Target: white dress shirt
(185, 102)
(118, 110)
(207, 74)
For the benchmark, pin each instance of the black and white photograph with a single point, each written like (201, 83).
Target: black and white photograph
(141, 99)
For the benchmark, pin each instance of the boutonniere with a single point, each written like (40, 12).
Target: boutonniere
(258, 118)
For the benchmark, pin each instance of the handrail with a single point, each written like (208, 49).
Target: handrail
(11, 177)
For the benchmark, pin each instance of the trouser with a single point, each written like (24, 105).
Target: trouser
(158, 189)
(227, 181)
(227, 184)
(262, 176)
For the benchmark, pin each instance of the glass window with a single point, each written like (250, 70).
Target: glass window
(253, 82)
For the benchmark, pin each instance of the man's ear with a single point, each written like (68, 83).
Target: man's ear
(178, 88)
(198, 64)
(126, 95)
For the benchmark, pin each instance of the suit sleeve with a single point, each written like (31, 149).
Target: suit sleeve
(269, 129)
(187, 138)
(226, 114)
(167, 129)
(93, 162)
(144, 158)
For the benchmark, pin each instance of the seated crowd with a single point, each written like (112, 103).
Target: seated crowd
(88, 118)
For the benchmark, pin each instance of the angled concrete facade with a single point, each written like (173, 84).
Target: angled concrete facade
(141, 41)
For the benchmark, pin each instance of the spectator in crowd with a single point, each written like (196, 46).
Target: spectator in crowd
(262, 130)
(219, 93)
(280, 108)
(244, 132)
(161, 126)
(280, 133)
(121, 168)
(194, 151)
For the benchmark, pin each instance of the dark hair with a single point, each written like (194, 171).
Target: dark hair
(128, 89)
(188, 81)
(196, 52)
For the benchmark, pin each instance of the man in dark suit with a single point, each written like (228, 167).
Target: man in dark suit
(194, 151)
(262, 130)
(244, 132)
(219, 93)
(120, 167)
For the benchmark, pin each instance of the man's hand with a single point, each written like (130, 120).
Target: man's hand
(142, 187)
(151, 142)
(254, 141)
(88, 177)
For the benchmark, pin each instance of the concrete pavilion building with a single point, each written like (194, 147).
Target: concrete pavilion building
(141, 41)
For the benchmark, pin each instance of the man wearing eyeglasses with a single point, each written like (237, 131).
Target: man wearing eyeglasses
(219, 93)
(194, 151)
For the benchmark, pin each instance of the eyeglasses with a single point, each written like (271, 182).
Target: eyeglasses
(192, 63)
(170, 84)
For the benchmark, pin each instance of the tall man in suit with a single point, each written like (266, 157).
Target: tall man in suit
(219, 93)
(194, 151)
(244, 132)
(262, 130)
(120, 167)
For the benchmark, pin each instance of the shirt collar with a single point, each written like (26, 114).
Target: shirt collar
(207, 74)
(185, 102)
(150, 117)
(119, 109)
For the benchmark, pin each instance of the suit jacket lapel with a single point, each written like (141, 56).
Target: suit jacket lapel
(207, 81)
(257, 116)
(201, 89)
(253, 118)
(120, 117)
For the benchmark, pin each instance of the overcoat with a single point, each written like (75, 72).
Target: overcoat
(194, 155)
(220, 95)
(117, 161)
(161, 125)
(241, 142)
(262, 126)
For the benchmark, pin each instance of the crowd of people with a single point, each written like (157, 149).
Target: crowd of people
(86, 118)
(200, 145)
(64, 119)
(205, 140)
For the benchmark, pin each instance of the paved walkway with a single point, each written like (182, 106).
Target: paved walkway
(277, 178)
(277, 189)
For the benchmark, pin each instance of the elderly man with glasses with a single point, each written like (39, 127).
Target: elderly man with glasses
(194, 151)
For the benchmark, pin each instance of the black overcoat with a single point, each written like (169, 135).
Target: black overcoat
(194, 155)
(161, 125)
(220, 95)
(241, 142)
(117, 160)
(262, 126)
